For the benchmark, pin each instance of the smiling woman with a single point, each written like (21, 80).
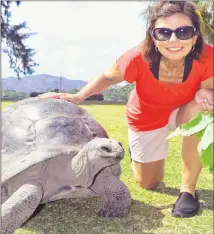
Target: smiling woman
(168, 68)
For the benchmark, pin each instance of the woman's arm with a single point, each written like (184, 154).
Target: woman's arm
(102, 82)
(111, 77)
(205, 95)
(208, 84)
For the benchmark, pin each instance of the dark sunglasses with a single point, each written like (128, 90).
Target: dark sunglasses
(182, 33)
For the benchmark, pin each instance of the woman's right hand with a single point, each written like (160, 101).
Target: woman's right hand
(75, 98)
(205, 99)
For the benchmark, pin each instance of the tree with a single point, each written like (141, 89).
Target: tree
(73, 91)
(118, 94)
(12, 38)
(207, 19)
(95, 97)
(206, 8)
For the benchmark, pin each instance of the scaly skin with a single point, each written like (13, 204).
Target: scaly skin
(20, 206)
(115, 196)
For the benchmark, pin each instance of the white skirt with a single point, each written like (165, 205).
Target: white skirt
(150, 146)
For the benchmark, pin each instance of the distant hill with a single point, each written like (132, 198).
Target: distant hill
(40, 83)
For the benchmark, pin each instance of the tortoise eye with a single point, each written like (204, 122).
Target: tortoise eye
(106, 149)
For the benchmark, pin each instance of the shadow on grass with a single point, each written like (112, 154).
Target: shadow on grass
(80, 216)
(206, 196)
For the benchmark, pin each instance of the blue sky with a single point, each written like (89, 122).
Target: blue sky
(79, 40)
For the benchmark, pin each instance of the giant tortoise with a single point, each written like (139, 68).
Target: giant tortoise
(54, 149)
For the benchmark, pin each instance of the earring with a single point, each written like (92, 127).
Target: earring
(156, 49)
(193, 48)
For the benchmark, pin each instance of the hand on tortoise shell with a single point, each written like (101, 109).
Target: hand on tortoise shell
(75, 98)
(50, 95)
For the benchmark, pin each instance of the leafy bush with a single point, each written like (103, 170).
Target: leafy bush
(202, 126)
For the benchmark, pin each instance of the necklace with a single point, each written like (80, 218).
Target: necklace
(169, 73)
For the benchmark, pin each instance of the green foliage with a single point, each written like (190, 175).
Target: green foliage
(205, 147)
(13, 37)
(206, 10)
(73, 91)
(206, 157)
(205, 13)
(13, 95)
(202, 126)
(119, 94)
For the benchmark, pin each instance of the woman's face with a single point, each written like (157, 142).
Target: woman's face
(174, 48)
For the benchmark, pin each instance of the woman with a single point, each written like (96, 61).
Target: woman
(173, 72)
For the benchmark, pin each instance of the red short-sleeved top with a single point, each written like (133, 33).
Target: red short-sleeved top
(152, 100)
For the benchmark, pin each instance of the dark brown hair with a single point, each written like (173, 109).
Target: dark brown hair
(164, 9)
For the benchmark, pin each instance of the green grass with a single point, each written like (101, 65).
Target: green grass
(150, 211)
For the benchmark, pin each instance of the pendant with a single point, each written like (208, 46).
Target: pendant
(169, 73)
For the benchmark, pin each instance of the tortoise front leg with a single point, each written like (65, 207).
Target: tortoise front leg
(115, 196)
(20, 206)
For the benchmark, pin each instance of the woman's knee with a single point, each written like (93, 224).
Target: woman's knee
(149, 184)
(187, 112)
(148, 181)
(148, 175)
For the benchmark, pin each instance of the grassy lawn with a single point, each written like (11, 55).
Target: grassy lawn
(150, 211)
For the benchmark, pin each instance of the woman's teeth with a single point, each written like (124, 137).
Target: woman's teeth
(174, 49)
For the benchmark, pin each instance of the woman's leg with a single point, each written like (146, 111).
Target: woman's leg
(148, 175)
(191, 165)
(148, 151)
(187, 204)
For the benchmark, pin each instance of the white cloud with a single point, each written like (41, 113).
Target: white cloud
(79, 39)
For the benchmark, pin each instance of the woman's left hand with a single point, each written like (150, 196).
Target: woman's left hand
(51, 95)
(205, 99)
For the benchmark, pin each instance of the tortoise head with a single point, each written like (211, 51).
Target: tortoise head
(96, 155)
(105, 149)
